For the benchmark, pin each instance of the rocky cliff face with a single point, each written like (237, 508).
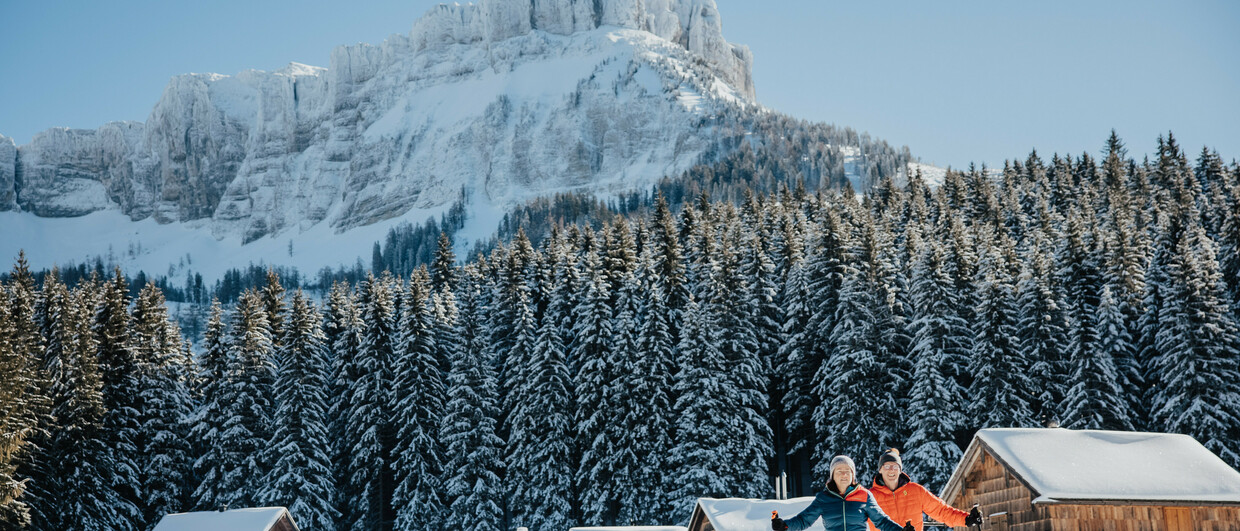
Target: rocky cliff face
(8, 166)
(506, 98)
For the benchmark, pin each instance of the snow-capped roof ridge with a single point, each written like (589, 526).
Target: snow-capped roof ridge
(251, 519)
(1061, 464)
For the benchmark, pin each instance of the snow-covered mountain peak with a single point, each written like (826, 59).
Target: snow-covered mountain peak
(693, 24)
(506, 100)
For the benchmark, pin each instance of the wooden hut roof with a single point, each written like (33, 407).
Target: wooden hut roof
(1083, 466)
(255, 519)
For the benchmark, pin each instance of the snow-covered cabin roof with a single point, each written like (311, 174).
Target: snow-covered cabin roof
(633, 528)
(256, 519)
(746, 514)
(1078, 466)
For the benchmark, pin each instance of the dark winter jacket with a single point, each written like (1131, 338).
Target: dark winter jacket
(843, 513)
(910, 500)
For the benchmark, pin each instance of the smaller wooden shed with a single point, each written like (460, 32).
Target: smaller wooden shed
(745, 514)
(1058, 479)
(256, 519)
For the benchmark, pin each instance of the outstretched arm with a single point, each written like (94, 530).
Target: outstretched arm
(806, 517)
(879, 518)
(940, 511)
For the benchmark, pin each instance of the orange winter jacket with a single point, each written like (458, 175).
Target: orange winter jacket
(910, 500)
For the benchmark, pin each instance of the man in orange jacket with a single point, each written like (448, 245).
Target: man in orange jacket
(904, 500)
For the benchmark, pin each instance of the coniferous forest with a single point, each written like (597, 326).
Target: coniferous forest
(613, 374)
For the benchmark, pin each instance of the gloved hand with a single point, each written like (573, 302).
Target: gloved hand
(908, 526)
(974, 518)
(777, 523)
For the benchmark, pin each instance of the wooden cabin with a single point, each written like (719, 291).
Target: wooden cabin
(1045, 479)
(743, 514)
(256, 519)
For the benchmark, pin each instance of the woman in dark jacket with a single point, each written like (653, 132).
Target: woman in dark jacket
(843, 506)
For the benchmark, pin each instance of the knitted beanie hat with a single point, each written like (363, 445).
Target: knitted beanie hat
(843, 460)
(890, 456)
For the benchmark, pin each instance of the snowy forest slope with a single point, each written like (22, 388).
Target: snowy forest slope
(613, 375)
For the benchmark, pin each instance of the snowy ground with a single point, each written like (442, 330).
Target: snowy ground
(175, 249)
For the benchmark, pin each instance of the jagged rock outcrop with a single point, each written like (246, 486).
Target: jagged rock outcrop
(8, 176)
(506, 98)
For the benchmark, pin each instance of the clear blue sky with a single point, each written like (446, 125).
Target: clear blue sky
(956, 81)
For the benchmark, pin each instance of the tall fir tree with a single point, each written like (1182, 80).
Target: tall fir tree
(1198, 382)
(594, 379)
(163, 450)
(342, 326)
(275, 308)
(72, 486)
(419, 381)
(540, 452)
(121, 394)
(1095, 399)
(248, 402)
(935, 400)
(1040, 330)
(473, 450)
(369, 460)
(208, 418)
(701, 407)
(301, 476)
(24, 398)
(1000, 394)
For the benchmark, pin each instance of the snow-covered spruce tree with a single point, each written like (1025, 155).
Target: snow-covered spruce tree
(594, 383)
(880, 290)
(419, 393)
(1196, 370)
(844, 419)
(668, 259)
(121, 401)
(1081, 275)
(540, 453)
(342, 326)
(1000, 394)
(1095, 399)
(1040, 330)
(164, 454)
(73, 487)
(1229, 253)
(702, 407)
(207, 421)
(301, 477)
(248, 402)
(509, 287)
(620, 257)
(474, 452)
(1126, 248)
(620, 458)
(761, 296)
(524, 389)
(935, 401)
(443, 269)
(824, 271)
(795, 348)
(1155, 303)
(23, 393)
(750, 445)
(273, 304)
(651, 418)
(960, 261)
(369, 460)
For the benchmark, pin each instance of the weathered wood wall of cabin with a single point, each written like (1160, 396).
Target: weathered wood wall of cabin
(1008, 505)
